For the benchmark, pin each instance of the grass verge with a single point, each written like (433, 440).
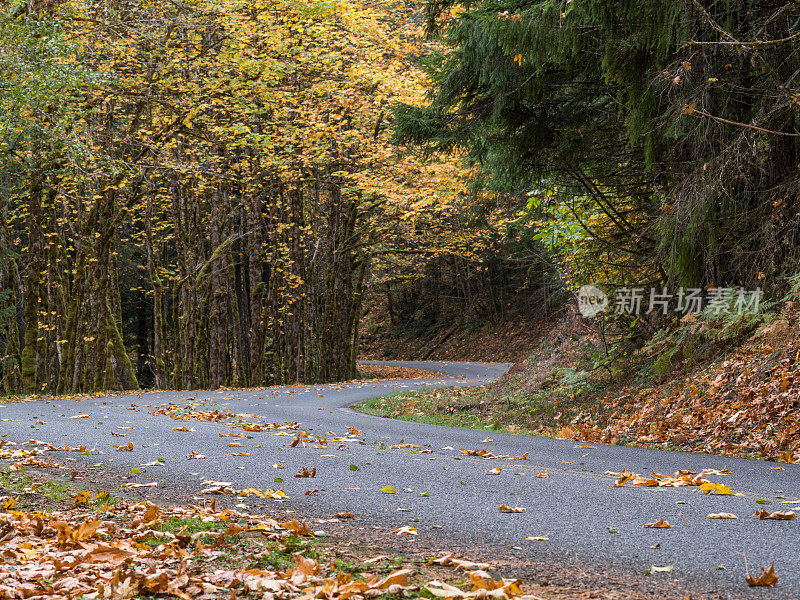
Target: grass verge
(467, 408)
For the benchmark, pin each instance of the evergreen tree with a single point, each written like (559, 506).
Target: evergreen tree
(677, 121)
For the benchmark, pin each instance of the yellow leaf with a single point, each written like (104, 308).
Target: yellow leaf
(10, 502)
(720, 488)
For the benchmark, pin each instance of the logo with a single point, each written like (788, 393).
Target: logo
(591, 301)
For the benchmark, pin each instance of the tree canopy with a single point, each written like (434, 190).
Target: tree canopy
(194, 192)
(666, 132)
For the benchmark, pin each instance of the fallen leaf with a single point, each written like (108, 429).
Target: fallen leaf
(9, 502)
(543, 475)
(722, 516)
(306, 473)
(82, 497)
(449, 560)
(297, 527)
(767, 577)
(375, 559)
(661, 524)
(495, 471)
(405, 530)
(507, 509)
(344, 515)
(624, 478)
(387, 489)
(665, 569)
(720, 488)
(778, 515)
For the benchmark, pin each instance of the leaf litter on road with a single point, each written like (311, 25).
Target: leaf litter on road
(778, 515)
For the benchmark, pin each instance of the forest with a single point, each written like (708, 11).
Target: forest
(201, 194)
(193, 193)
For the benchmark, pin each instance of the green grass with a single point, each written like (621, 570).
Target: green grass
(278, 555)
(47, 492)
(467, 408)
(186, 526)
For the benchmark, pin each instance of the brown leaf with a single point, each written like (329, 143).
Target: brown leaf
(305, 566)
(624, 477)
(297, 527)
(768, 577)
(508, 509)
(778, 515)
(306, 473)
(448, 560)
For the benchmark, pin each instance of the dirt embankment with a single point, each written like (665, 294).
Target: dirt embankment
(742, 400)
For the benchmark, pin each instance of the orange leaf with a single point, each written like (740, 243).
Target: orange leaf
(661, 524)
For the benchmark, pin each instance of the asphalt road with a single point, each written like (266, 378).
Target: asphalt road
(445, 494)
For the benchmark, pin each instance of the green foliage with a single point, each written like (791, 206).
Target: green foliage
(39, 76)
(669, 116)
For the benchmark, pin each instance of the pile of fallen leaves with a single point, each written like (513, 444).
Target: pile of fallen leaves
(370, 371)
(746, 405)
(191, 412)
(30, 453)
(681, 478)
(121, 551)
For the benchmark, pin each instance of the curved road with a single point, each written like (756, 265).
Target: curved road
(586, 520)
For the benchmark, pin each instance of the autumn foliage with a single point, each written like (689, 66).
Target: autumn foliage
(202, 204)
